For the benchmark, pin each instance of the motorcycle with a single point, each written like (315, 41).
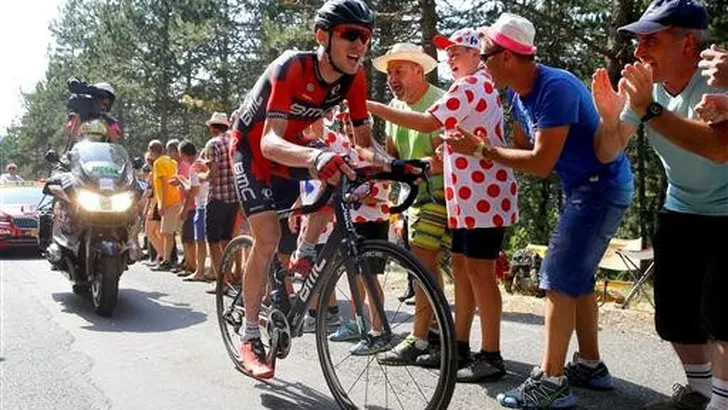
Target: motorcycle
(94, 209)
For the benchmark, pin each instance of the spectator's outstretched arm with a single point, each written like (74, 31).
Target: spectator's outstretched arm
(418, 121)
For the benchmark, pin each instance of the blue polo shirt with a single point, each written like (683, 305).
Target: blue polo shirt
(558, 98)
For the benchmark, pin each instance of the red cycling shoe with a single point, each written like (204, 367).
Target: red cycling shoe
(252, 353)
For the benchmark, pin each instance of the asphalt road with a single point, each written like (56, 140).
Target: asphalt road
(162, 350)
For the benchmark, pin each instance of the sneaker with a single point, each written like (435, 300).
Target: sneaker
(176, 269)
(482, 369)
(581, 375)
(332, 321)
(433, 336)
(539, 393)
(683, 398)
(301, 264)
(252, 353)
(164, 266)
(346, 332)
(404, 354)
(433, 358)
(372, 345)
(309, 322)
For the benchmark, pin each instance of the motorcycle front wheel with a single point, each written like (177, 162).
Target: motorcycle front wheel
(105, 284)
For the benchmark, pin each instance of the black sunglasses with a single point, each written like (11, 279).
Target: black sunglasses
(495, 50)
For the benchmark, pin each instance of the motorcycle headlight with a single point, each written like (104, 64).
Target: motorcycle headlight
(122, 202)
(93, 202)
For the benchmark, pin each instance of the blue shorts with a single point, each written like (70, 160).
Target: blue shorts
(589, 218)
(199, 225)
(188, 229)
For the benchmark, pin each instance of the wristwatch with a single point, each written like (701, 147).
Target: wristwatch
(653, 110)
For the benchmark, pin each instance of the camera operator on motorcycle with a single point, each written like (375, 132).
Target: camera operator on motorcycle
(89, 107)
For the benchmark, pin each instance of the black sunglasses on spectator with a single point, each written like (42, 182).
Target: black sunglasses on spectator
(493, 51)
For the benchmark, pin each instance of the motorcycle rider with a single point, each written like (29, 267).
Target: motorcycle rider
(89, 108)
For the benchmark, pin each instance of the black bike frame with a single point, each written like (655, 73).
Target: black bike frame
(342, 241)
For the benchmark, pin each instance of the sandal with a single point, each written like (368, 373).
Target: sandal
(195, 278)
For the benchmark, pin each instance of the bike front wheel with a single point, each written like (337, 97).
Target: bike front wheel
(229, 298)
(358, 371)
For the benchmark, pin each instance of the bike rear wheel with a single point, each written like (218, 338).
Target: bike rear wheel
(229, 300)
(361, 381)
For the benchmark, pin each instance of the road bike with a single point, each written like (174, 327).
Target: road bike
(347, 267)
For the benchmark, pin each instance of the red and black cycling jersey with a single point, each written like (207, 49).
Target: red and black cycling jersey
(293, 89)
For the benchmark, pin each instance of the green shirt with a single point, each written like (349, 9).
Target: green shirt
(411, 144)
(696, 185)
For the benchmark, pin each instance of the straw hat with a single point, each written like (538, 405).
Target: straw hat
(406, 52)
(218, 118)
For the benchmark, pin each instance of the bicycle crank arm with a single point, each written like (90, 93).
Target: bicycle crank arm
(272, 348)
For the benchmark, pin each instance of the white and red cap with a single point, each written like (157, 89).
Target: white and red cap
(513, 33)
(464, 37)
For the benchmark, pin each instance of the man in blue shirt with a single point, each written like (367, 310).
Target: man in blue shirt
(554, 129)
(662, 91)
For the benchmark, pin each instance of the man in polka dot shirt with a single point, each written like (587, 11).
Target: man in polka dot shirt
(554, 130)
(481, 199)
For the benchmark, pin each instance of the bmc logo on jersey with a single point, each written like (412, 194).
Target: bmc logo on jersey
(302, 111)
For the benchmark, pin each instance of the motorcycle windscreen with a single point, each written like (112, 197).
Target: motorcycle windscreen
(100, 162)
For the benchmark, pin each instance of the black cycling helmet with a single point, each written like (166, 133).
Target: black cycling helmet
(335, 12)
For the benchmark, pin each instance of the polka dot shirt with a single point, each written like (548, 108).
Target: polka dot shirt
(479, 193)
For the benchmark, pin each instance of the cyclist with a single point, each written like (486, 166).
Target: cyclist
(295, 90)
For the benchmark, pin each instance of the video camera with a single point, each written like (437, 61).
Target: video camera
(83, 100)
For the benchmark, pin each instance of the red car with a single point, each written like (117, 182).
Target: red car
(19, 214)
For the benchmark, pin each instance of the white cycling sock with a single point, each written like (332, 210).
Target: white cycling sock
(699, 378)
(252, 331)
(306, 249)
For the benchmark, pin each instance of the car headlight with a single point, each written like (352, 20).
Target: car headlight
(93, 202)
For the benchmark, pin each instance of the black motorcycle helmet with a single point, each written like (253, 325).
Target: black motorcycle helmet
(335, 12)
(106, 92)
